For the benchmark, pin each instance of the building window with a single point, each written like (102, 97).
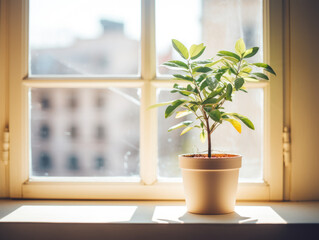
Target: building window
(100, 132)
(44, 164)
(99, 101)
(45, 131)
(99, 163)
(72, 102)
(73, 163)
(45, 103)
(73, 132)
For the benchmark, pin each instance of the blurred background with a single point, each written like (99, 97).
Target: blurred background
(95, 132)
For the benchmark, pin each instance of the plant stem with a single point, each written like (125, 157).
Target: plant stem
(203, 112)
(209, 139)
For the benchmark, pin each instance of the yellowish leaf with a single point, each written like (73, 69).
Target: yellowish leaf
(182, 113)
(247, 69)
(195, 49)
(236, 124)
(203, 136)
(249, 79)
(159, 104)
(186, 130)
(249, 51)
(240, 47)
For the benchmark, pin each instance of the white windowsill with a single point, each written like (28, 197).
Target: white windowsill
(153, 212)
(45, 219)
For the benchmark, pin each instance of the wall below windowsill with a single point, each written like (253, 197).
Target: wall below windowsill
(44, 219)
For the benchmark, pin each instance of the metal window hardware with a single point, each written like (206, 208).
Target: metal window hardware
(6, 146)
(286, 146)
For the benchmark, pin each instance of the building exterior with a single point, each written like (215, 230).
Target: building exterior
(86, 132)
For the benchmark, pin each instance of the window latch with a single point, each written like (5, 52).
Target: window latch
(6, 146)
(286, 147)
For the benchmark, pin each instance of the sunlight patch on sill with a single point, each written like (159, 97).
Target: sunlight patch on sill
(71, 214)
(136, 213)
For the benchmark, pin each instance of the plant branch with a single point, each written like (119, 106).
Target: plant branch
(202, 110)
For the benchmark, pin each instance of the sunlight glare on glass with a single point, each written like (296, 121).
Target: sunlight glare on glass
(84, 37)
(216, 23)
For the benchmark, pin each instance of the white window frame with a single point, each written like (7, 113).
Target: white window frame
(149, 188)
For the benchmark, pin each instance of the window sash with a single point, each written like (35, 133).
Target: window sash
(148, 188)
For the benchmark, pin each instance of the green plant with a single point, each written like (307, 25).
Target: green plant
(209, 84)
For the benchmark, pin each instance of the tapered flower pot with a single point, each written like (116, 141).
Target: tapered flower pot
(210, 184)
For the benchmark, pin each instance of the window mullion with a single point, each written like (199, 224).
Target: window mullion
(148, 54)
(148, 129)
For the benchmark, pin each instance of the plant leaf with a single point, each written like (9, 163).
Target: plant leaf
(196, 50)
(250, 79)
(244, 119)
(201, 78)
(179, 125)
(243, 90)
(171, 108)
(182, 113)
(240, 47)
(202, 69)
(203, 85)
(261, 75)
(232, 59)
(229, 91)
(203, 136)
(210, 101)
(235, 124)
(173, 66)
(182, 77)
(180, 48)
(239, 82)
(186, 130)
(215, 93)
(266, 67)
(231, 68)
(215, 115)
(182, 92)
(227, 53)
(251, 52)
(176, 63)
(189, 88)
(213, 63)
(203, 62)
(246, 69)
(212, 83)
(160, 104)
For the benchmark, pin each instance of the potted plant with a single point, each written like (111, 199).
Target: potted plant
(210, 180)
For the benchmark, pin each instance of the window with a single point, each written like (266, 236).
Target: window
(88, 78)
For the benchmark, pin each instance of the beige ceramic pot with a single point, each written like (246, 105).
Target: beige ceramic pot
(210, 184)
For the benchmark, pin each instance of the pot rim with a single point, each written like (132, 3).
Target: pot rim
(230, 155)
(215, 163)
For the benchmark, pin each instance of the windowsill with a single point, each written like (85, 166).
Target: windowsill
(151, 214)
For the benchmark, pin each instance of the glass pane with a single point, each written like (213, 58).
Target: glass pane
(84, 132)
(216, 23)
(84, 37)
(249, 143)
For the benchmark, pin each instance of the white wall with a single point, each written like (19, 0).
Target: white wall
(304, 75)
(4, 95)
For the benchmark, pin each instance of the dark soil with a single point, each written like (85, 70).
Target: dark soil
(215, 155)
